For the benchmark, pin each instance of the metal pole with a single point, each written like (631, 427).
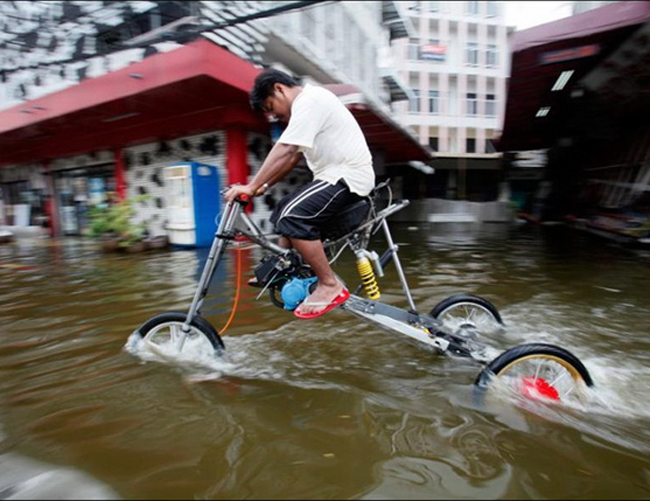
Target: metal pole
(398, 266)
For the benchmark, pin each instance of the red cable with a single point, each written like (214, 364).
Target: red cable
(234, 306)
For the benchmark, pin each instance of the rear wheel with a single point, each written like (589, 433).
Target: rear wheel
(468, 315)
(164, 333)
(537, 370)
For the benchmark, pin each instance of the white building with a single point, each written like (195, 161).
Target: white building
(579, 7)
(457, 66)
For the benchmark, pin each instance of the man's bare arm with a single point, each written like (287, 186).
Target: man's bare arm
(280, 160)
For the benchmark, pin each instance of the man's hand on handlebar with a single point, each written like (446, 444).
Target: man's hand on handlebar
(237, 190)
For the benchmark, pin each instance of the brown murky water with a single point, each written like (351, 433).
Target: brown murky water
(324, 409)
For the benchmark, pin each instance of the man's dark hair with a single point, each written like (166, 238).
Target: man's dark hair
(264, 83)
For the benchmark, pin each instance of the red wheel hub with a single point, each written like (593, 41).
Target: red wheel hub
(538, 387)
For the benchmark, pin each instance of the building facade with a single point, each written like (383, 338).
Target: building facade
(96, 98)
(456, 66)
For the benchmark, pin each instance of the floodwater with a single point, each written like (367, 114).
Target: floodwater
(330, 408)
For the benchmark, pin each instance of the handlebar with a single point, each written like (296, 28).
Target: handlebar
(241, 199)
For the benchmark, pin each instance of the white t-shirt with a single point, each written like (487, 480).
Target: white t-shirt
(330, 138)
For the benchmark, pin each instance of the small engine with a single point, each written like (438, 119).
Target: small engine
(289, 280)
(295, 291)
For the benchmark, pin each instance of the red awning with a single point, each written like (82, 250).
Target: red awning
(194, 88)
(382, 132)
(576, 45)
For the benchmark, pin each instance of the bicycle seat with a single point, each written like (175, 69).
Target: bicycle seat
(347, 221)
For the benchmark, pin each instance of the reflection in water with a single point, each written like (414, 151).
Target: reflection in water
(331, 408)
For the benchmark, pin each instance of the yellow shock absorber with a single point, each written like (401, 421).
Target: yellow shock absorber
(367, 275)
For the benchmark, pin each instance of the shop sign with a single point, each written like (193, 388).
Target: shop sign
(558, 56)
(431, 52)
(530, 158)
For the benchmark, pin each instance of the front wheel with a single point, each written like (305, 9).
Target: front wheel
(164, 333)
(537, 370)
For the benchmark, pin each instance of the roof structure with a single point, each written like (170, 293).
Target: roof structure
(599, 58)
(195, 88)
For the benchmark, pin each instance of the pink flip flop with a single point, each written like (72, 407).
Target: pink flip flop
(340, 299)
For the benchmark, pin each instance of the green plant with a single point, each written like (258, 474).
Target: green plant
(115, 221)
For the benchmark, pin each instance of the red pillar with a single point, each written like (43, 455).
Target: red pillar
(120, 175)
(237, 157)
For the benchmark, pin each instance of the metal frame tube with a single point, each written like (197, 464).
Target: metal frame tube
(226, 224)
(398, 265)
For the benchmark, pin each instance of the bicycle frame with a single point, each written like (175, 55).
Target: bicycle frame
(281, 270)
(420, 329)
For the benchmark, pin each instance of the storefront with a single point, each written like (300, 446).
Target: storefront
(78, 191)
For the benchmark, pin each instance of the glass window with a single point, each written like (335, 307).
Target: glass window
(472, 53)
(414, 49)
(434, 99)
(490, 105)
(492, 56)
(472, 7)
(330, 33)
(492, 8)
(414, 104)
(470, 145)
(433, 6)
(308, 24)
(472, 104)
(433, 143)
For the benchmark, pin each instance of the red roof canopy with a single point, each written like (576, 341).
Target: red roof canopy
(196, 87)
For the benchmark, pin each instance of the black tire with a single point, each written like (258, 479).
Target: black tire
(458, 299)
(518, 363)
(474, 319)
(175, 317)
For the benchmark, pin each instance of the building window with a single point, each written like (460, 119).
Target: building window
(472, 54)
(470, 145)
(414, 104)
(308, 24)
(414, 49)
(472, 104)
(433, 143)
(490, 105)
(492, 8)
(492, 56)
(433, 6)
(472, 8)
(413, 6)
(331, 44)
(434, 101)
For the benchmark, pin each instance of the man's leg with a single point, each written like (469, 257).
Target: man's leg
(284, 242)
(328, 286)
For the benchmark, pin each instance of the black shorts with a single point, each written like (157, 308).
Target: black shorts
(306, 212)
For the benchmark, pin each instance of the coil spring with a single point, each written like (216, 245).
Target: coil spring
(367, 275)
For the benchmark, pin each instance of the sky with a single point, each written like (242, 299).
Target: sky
(525, 15)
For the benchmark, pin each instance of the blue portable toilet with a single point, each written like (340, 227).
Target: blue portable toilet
(193, 203)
